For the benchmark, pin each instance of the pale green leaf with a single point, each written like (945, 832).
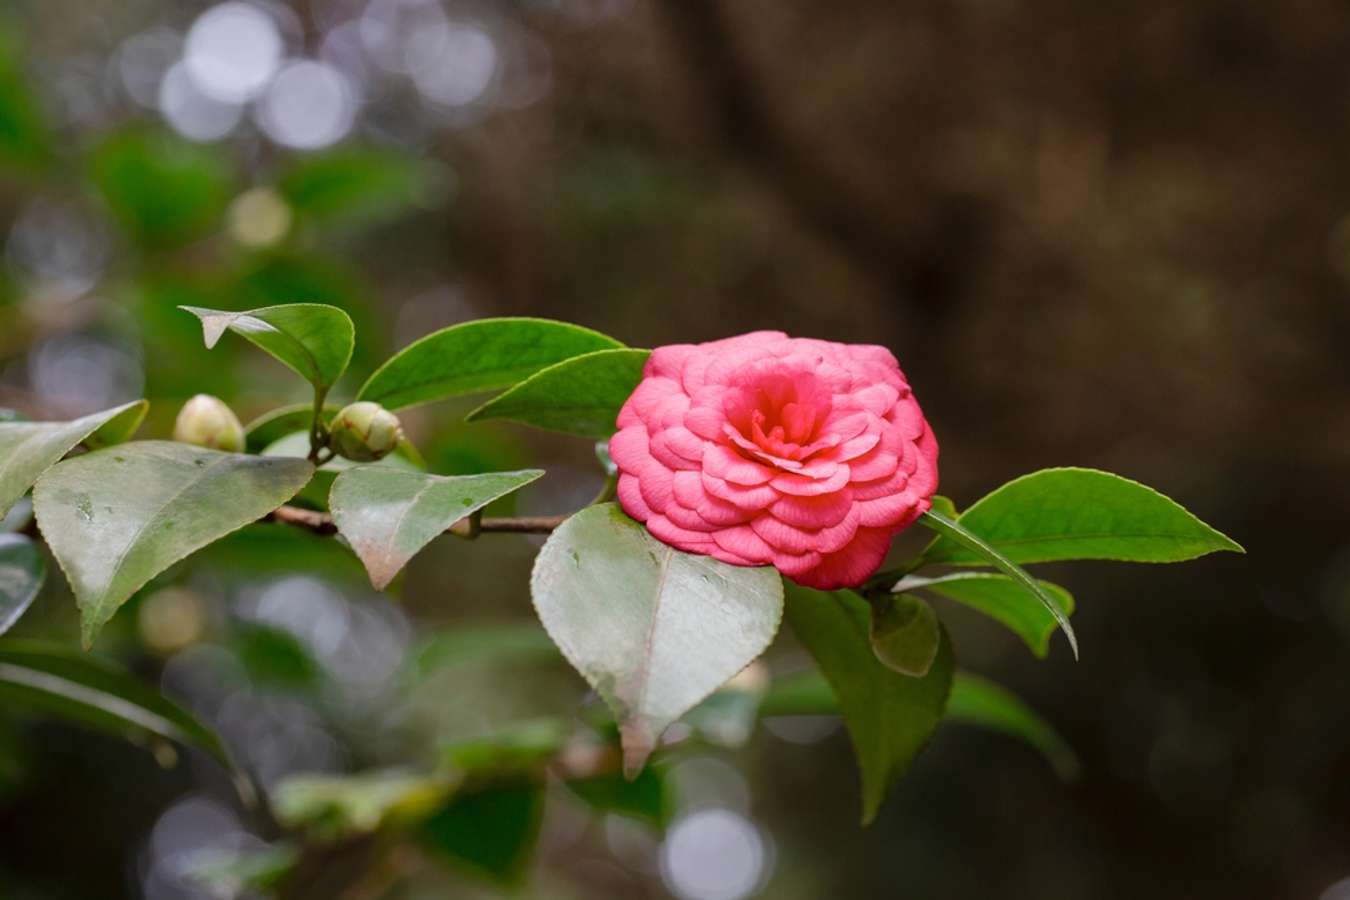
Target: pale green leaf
(388, 515)
(27, 449)
(474, 357)
(652, 629)
(1002, 599)
(273, 425)
(978, 546)
(118, 517)
(313, 339)
(889, 716)
(1073, 513)
(582, 395)
(23, 568)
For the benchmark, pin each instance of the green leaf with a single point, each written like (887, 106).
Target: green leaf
(478, 356)
(118, 517)
(23, 568)
(520, 749)
(889, 716)
(978, 701)
(905, 634)
(27, 449)
(388, 515)
(1002, 599)
(647, 798)
(164, 190)
(25, 139)
(1059, 514)
(296, 446)
(958, 533)
(973, 701)
(491, 832)
(359, 185)
(313, 339)
(331, 807)
(242, 873)
(278, 423)
(582, 395)
(517, 644)
(652, 629)
(56, 679)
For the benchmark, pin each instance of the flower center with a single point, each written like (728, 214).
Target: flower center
(777, 418)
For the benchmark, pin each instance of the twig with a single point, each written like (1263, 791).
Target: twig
(322, 523)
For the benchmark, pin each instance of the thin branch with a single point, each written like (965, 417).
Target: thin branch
(322, 523)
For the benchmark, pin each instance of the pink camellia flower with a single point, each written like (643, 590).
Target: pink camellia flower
(765, 449)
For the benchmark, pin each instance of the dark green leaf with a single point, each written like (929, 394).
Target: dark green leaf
(23, 568)
(1002, 599)
(491, 832)
(24, 136)
(905, 633)
(1058, 514)
(647, 798)
(959, 534)
(478, 356)
(27, 449)
(889, 716)
(164, 190)
(388, 515)
(276, 424)
(274, 657)
(313, 339)
(652, 629)
(800, 694)
(360, 184)
(481, 643)
(55, 679)
(118, 517)
(978, 701)
(581, 395)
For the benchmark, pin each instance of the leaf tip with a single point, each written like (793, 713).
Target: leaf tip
(638, 744)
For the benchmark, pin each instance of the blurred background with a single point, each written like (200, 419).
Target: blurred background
(1111, 235)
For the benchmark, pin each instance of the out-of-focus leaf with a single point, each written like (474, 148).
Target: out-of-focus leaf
(27, 449)
(974, 700)
(522, 749)
(890, 716)
(243, 873)
(24, 136)
(905, 634)
(516, 644)
(274, 657)
(1074, 513)
(1002, 599)
(18, 517)
(652, 629)
(478, 356)
(648, 798)
(388, 515)
(23, 568)
(581, 395)
(979, 701)
(278, 423)
(118, 517)
(313, 339)
(958, 533)
(358, 185)
(164, 190)
(332, 807)
(58, 680)
(490, 832)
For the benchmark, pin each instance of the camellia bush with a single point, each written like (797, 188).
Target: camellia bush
(750, 482)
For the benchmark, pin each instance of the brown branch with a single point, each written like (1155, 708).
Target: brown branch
(471, 526)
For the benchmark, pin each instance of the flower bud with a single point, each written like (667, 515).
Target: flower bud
(207, 422)
(365, 432)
